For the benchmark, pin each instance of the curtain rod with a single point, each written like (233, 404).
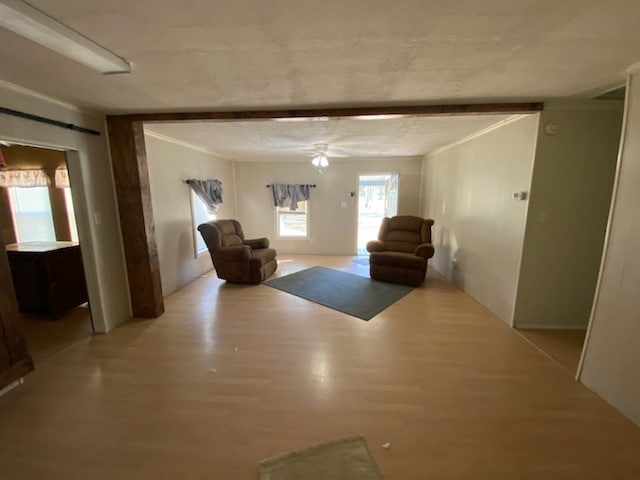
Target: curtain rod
(312, 186)
(48, 121)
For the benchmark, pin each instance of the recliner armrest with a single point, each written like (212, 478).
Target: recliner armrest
(424, 250)
(237, 253)
(257, 243)
(376, 246)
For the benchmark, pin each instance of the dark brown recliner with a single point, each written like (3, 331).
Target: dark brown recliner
(236, 259)
(402, 250)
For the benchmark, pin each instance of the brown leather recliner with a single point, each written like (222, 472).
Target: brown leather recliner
(403, 248)
(236, 259)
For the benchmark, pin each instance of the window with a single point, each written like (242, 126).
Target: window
(71, 215)
(31, 211)
(200, 214)
(61, 180)
(294, 224)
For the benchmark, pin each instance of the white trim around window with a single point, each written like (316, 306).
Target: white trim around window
(293, 225)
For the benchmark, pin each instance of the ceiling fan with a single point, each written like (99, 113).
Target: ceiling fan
(320, 158)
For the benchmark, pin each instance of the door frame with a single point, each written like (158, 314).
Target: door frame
(357, 195)
(75, 166)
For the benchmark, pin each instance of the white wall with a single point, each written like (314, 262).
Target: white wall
(569, 203)
(612, 352)
(333, 228)
(467, 190)
(93, 192)
(169, 165)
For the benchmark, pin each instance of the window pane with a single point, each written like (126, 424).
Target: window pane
(71, 215)
(200, 215)
(292, 224)
(32, 217)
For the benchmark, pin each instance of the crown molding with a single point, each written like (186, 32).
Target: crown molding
(175, 141)
(479, 133)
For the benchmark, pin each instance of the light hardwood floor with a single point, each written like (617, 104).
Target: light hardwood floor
(456, 392)
(564, 346)
(47, 337)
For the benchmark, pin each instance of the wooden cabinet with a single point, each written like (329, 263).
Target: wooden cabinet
(48, 276)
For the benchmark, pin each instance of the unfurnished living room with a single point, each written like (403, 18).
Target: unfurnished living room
(319, 240)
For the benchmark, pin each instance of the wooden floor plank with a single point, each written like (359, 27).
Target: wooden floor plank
(457, 393)
(564, 346)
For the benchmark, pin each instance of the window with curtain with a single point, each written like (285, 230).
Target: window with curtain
(200, 214)
(30, 204)
(31, 212)
(291, 202)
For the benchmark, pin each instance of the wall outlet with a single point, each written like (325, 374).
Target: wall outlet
(343, 204)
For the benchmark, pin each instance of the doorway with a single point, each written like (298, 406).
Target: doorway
(38, 225)
(574, 176)
(377, 198)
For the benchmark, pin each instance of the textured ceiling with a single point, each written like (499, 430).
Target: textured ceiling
(270, 140)
(221, 55)
(258, 54)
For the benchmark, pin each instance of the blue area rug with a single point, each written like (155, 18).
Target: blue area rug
(351, 294)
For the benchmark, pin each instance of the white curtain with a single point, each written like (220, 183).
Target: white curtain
(24, 178)
(61, 179)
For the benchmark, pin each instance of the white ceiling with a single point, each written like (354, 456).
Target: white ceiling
(257, 54)
(270, 140)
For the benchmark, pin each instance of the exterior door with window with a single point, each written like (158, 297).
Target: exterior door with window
(377, 198)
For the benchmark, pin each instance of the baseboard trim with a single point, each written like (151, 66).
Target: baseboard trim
(11, 386)
(542, 326)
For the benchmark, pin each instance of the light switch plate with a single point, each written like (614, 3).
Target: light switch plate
(519, 195)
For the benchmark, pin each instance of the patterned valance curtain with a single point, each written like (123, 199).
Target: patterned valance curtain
(290, 194)
(209, 191)
(24, 178)
(61, 179)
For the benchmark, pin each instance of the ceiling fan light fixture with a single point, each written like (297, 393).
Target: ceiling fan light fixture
(320, 159)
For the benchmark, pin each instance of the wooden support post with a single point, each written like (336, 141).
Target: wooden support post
(129, 159)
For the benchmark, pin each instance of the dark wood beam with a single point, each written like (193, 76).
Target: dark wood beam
(411, 110)
(129, 160)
